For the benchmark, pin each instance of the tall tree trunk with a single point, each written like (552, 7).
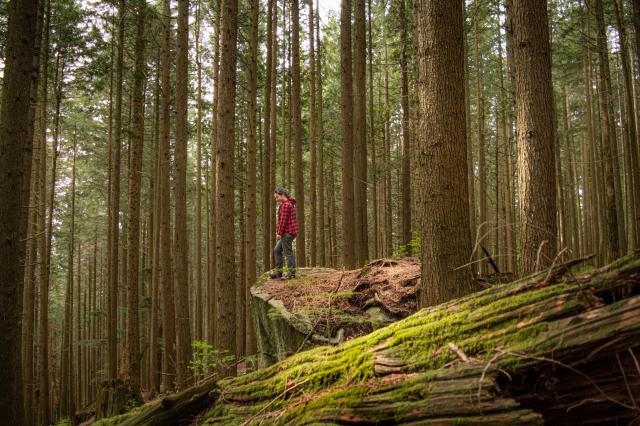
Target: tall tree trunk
(613, 248)
(212, 263)
(135, 178)
(114, 201)
(273, 130)
(592, 197)
(38, 214)
(67, 402)
(168, 306)
(573, 184)
(322, 258)
(372, 141)
(250, 233)
(180, 211)
(536, 134)
(470, 163)
(297, 132)
(388, 210)
(199, 299)
(406, 142)
(266, 179)
(348, 217)
(483, 226)
(45, 271)
(313, 141)
(360, 133)
(16, 131)
(225, 217)
(154, 326)
(631, 150)
(441, 145)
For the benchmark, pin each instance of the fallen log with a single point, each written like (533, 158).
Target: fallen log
(174, 409)
(552, 348)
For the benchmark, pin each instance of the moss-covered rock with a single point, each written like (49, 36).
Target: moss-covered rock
(279, 332)
(324, 306)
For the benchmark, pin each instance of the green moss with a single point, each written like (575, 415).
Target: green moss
(514, 317)
(116, 420)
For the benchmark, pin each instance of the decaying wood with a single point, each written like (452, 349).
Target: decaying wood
(175, 409)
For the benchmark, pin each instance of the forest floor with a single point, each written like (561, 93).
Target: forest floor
(527, 352)
(385, 290)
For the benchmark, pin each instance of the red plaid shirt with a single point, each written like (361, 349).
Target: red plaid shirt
(287, 222)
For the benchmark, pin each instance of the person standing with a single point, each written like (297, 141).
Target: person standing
(286, 231)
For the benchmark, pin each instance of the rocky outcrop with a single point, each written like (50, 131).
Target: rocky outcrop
(279, 332)
(323, 306)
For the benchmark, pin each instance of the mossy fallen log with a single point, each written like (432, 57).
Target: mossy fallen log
(115, 397)
(556, 348)
(179, 408)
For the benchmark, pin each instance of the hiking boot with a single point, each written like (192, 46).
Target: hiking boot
(275, 275)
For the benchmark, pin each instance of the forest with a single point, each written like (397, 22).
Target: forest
(484, 153)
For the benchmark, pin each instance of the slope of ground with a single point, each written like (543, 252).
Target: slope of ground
(555, 348)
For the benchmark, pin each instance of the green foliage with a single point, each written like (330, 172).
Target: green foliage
(411, 249)
(206, 359)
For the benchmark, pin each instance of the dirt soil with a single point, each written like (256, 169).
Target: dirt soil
(345, 299)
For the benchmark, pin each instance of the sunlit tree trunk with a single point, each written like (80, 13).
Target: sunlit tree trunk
(348, 217)
(536, 134)
(441, 146)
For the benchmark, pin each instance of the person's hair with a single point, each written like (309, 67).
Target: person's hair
(282, 191)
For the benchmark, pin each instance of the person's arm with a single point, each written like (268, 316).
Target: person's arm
(283, 217)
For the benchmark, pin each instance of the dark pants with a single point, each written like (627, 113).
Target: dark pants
(284, 246)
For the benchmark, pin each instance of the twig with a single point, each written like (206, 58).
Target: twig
(484, 372)
(320, 319)
(284, 392)
(578, 372)
(626, 382)
(539, 253)
(552, 265)
(455, 349)
(491, 262)
(635, 360)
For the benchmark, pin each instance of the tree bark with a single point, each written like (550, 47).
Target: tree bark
(442, 151)
(613, 248)
(250, 233)
(199, 334)
(348, 217)
(536, 134)
(360, 133)
(406, 141)
(114, 201)
(15, 152)
(313, 141)
(225, 217)
(296, 136)
(322, 256)
(631, 150)
(135, 178)
(181, 255)
(266, 179)
(168, 304)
